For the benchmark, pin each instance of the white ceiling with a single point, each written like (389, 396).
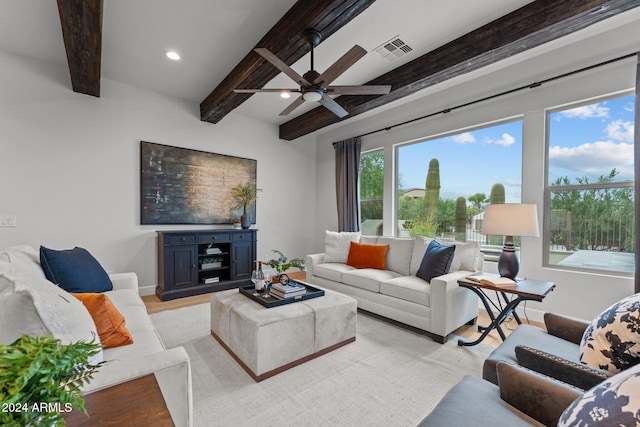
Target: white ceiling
(212, 36)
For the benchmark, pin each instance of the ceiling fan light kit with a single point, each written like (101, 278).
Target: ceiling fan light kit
(315, 87)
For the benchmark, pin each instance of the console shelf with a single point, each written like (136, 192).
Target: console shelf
(181, 255)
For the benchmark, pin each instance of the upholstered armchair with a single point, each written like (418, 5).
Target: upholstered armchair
(527, 398)
(554, 352)
(522, 398)
(576, 352)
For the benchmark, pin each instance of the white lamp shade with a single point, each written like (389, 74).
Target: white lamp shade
(511, 219)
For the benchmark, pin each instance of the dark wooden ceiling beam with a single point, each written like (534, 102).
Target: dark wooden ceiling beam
(81, 22)
(286, 41)
(532, 25)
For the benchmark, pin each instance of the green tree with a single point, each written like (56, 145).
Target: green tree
(445, 219)
(432, 190)
(592, 218)
(478, 200)
(496, 198)
(461, 219)
(371, 185)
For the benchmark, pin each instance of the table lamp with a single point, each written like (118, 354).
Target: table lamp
(510, 219)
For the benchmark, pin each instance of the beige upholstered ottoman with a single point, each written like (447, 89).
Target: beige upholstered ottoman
(267, 341)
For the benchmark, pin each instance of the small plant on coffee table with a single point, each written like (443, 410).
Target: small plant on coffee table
(282, 263)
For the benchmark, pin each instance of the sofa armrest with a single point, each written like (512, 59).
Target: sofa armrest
(172, 369)
(124, 281)
(567, 328)
(311, 261)
(538, 396)
(451, 305)
(576, 374)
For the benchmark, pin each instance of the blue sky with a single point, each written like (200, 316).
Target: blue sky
(589, 140)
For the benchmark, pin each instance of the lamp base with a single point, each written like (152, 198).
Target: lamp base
(508, 265)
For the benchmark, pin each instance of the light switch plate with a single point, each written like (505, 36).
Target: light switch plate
(7, 220)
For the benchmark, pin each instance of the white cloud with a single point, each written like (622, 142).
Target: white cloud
(505, 141)
(513, 182)
(587, 112)
(464, 138)
(597, 158)
(620, 131)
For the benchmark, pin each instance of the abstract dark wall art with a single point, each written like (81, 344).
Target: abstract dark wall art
(183, 186)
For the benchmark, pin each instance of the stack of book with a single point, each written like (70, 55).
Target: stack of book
(213, 250)
(292, 289)
(211, 280)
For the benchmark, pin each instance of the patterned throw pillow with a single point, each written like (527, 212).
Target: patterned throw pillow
(612, 341)
(614, 402)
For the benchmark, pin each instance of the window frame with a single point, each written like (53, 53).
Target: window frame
(548, 189)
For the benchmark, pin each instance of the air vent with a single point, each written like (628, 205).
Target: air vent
(393, 49)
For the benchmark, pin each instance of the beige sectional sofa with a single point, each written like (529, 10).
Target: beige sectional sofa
(30, 304)
(437, 307)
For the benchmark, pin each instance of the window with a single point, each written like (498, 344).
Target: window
(371, 192)
(443, 184)
(590, 193)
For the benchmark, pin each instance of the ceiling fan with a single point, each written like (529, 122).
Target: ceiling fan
(314, 87)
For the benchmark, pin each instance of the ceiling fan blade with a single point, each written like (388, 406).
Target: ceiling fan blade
(295, 104)
(280, 65)
(333, 106)
(264, 90)
(359, 90)
(341, 65)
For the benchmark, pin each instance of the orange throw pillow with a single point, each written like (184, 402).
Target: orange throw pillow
(109, 322)
(363, 255)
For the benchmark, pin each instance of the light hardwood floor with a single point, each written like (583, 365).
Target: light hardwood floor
(469, 332)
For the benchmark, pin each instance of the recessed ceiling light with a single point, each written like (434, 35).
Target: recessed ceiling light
(285, 95)
(173, 55)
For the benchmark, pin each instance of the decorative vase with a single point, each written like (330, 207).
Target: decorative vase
(245, 221)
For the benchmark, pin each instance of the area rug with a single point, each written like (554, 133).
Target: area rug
(389, 376)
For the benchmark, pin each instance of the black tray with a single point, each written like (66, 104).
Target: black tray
(269, 300)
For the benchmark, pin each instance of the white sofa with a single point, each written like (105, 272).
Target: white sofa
(31, 304)
(438, 307)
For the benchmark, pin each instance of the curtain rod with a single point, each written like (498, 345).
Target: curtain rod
(507, 92)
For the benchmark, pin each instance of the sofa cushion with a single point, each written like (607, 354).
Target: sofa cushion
(362, 255)
(336, 245)
(368, 278)
(614, 402)
(369, 240)
(109, 322)
(331, 271)
(466, 256)
(38, 307)
(420, 245)
(399, 254)
(22, 260)
(408, 288)
(74, 270)
(612, 340)
(436, 262)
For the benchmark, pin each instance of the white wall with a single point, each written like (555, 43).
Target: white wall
(576, 294)
(69, 167)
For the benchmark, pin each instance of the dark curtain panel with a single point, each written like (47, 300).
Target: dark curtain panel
(636, 162)
(347, 165)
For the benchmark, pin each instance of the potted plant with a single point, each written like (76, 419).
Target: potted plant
(210, 262)
(243, 196)
(40, 379)
(282, 264)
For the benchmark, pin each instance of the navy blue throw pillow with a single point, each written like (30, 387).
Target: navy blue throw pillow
(74, 270)
(436, 261)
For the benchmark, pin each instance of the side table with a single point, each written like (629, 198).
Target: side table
(525, 290)
(138, 402)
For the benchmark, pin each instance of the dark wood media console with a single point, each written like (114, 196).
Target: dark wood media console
(180, 256)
